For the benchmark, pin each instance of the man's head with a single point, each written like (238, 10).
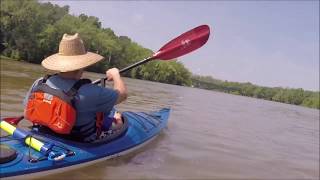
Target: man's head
(72, 56)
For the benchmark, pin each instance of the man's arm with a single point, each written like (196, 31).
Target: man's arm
(114, 75)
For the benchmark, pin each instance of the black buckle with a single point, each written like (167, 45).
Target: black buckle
(103, 82)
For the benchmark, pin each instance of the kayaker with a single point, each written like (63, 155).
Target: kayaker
(93, 104)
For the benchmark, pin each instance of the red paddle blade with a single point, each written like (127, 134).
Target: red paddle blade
(13, 120)
(183, 44)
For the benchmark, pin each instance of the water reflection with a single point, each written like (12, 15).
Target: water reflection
(210, 134)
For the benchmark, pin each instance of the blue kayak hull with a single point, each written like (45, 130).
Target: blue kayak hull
(142, 127)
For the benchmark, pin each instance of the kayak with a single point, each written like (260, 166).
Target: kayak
(21, 160)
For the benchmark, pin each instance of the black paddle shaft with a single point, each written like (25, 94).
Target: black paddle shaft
(126, 69)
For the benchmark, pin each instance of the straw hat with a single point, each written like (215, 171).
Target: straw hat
(72, 55)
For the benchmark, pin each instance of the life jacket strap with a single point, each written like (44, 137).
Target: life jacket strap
(99, 122)
(103, 82)
(46, 77)
(74, 89)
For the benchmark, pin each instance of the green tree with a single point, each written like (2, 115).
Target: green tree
(33, 30)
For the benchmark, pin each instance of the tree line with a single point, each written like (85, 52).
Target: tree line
(279, 94)
(31, 31)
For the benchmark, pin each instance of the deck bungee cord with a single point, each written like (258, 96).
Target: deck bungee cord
(45, 148)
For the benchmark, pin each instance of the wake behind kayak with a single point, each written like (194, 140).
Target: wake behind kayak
(139, 128)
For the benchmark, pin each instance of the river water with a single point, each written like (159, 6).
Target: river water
(210, 135)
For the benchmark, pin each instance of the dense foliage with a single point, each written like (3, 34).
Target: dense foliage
(285, 95)
(32, 31)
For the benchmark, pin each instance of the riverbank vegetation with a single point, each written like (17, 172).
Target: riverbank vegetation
(279, 94)
(32, 31)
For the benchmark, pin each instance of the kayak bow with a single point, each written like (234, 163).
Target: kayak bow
(139, 129)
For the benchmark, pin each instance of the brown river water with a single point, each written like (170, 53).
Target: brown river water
(210, 135)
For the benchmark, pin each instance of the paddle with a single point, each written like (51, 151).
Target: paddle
(181, 45)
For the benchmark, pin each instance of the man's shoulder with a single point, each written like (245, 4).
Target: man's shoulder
(102, 97)
(95, 89)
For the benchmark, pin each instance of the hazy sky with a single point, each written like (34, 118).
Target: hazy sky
(267, 43)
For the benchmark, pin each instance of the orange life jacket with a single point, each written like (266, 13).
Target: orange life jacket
(53, 108)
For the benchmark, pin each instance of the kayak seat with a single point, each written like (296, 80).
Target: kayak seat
(109, 136)
(7, 154)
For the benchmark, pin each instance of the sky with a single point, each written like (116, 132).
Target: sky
(268, 43)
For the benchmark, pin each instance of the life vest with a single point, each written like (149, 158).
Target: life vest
(53, 108)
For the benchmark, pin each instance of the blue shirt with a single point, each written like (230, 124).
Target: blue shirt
(89, 100)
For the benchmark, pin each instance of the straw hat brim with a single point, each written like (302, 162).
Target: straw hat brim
(61, 63)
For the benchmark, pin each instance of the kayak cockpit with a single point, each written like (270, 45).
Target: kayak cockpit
(7, 154)
(111, 135)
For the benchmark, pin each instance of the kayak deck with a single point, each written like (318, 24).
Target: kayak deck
(142, 127)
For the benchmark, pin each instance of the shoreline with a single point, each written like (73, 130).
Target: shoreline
(203, 83)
